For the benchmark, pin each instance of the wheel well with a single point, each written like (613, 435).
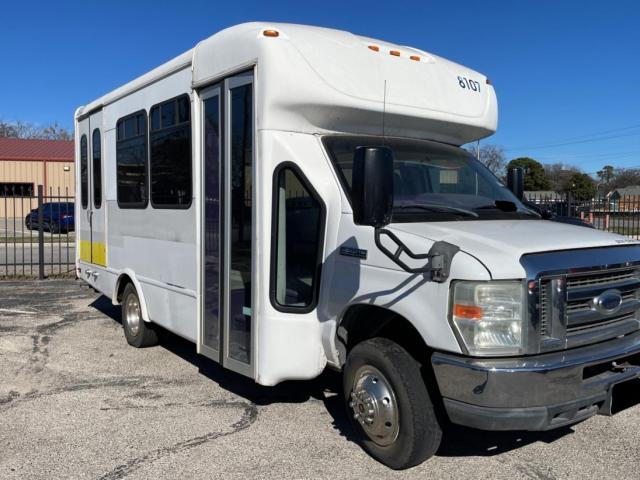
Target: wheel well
(362, 322)
(123, 281)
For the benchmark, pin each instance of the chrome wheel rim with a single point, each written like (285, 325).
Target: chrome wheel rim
(374, 405)
(132, 314)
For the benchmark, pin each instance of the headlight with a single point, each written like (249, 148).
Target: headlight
(489, 316)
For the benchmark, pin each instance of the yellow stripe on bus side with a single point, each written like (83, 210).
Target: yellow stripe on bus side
(99, 254)
(95, 252)
(85, 251)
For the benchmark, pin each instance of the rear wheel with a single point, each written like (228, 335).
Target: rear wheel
(137, 332)
(389, 405)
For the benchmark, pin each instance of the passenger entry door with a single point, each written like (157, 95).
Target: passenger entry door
(227, 328)
(90, 219)
(97, 206)
(83, 205)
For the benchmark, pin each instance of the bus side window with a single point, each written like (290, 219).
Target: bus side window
(131, 161)
(170, 153)
(299, 233)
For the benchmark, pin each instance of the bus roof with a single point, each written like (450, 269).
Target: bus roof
(319, 80)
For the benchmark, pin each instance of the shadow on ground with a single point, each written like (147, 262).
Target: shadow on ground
(457, 441)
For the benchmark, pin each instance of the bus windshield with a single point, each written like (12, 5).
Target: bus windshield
(433, 181)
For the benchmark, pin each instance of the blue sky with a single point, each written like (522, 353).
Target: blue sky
(563, 70)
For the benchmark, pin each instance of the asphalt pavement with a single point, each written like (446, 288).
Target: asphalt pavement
(77, 402)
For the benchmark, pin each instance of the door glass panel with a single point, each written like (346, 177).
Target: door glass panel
(241, 138)
(84, 172)
(211, 138)
(97, 168)
(298, 237)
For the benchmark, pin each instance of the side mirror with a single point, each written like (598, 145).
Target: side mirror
(372, 186)
(515, 181)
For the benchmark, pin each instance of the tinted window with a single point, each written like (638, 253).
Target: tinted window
(433, 181)
(131, 161)
(170, 155)
(97, 168)
(212, 215)
(84, 172)
(298, 232)
(241, 137)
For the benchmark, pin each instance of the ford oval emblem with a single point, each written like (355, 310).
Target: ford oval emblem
(608, 302)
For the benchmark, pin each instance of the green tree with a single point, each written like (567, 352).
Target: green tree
(581, 186)
(535, 178)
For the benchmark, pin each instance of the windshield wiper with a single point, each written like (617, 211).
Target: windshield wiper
(436, 207)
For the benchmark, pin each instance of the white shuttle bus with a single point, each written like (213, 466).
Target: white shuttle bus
(292, 198)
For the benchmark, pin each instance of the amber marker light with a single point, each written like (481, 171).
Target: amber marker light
(395, 53)
(467, 311)
(271, 33)
(375, 48)
(415, 58)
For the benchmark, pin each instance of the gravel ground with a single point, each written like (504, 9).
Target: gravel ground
(77, 402)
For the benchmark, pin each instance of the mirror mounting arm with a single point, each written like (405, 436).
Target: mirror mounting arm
(440, 255)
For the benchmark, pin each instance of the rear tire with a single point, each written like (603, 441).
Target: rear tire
(138, 333)
(389, 405)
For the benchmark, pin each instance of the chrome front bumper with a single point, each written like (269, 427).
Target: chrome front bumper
(540, 392)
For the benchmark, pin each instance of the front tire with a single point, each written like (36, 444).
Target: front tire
(389, 405)
(138, 333)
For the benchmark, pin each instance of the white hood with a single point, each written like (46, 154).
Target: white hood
(499, 244)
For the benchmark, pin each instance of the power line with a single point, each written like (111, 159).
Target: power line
(559, 157)
(593, 134)
(552, 145)
(597, 134)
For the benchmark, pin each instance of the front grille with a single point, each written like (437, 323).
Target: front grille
(600, 278)
(586, 305)
(545, 306)
(612, 321)
(569, 300)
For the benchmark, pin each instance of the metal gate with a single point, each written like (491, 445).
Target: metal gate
(37, 233)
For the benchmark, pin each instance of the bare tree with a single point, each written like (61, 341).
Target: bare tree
(492, 156)
(624, 177)
(559, 174)
(21, 129)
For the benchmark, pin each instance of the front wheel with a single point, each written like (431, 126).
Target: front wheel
(137, 332)
(389, 405)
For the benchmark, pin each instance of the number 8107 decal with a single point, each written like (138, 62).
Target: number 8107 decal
(465, 83)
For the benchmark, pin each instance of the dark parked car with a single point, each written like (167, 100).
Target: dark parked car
(554, 217)
(57, 217)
